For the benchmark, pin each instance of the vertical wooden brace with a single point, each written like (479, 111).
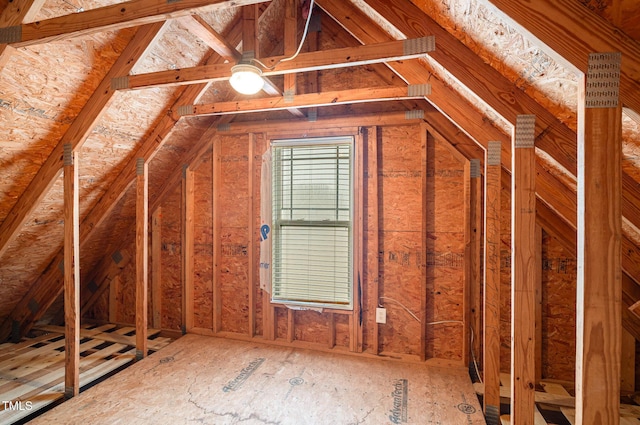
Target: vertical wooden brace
(156, 268)
(491, 308)
(523, 274)
(188, 203)
(71, 273)
(142, 256)
(599, 314)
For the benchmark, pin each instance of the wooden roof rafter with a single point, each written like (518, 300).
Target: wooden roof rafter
(75, 135)
(45, 290)
(113, 17)
(556, 23)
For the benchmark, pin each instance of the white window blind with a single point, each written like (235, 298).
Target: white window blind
(312, 222)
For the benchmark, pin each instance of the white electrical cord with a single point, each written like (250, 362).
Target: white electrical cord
(304, 36)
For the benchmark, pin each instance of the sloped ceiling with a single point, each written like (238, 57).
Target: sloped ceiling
(493, 60)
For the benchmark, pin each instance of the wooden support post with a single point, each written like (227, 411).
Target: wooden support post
(523, 274)
(142, 256)
(538, 282)
(475, 222)
(291, 325)
(332, 330)
(424, 141)
(217, 240)
(598, 330)
(290, 43)
(71, 273)
(114, 290)
(468, 301)
(491, 310)
(356, 340)
(373, 238)
(188, 203)
(251, 275)
(628, 363)
(156, 268)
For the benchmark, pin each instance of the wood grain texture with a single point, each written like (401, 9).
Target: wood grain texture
(71, 273)
(567, 28)
(142, 257)
(491, 307)
(114, 17)
(599, 284)
(523, 276)
(304, 62)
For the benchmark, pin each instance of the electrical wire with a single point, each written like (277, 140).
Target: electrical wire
(473, 356)
(304, 37)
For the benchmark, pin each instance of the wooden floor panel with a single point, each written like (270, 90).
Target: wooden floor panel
(217, 381)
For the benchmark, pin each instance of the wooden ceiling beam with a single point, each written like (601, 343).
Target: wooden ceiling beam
(311, 61)
(109, 18)
(329, 98)
(75, 135)
(573, 31)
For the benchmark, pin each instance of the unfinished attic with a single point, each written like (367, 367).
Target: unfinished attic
(426, 212)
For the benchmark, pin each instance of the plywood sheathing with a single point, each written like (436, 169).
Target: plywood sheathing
(203, 244)
(242, 381)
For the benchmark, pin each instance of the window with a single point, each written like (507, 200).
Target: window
(312, 197)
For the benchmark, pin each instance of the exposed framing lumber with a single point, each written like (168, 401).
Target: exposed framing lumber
(425, 140)
(599, 286)
(251, 235)
(109, 18)
(356, 319)
(52, 280)
(556, 24)
(142, 256)
(523, 275)
(217, 239)
(473, 230)
(156, 268)
(551, 135)
(290, 43)
(188, 231)
(15, 13)
(75, 135)
(201, 29)
(304, 62)
(311, 100)
(491, 308)
(71, 273)
(538, 312)
(373, 236)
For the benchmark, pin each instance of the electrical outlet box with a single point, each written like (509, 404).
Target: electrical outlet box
(381, 315)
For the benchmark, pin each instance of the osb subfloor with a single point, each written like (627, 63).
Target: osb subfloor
(209, 380)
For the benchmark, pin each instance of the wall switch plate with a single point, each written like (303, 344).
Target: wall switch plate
(381, 315)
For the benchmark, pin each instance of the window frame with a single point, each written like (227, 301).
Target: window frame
(349, 140)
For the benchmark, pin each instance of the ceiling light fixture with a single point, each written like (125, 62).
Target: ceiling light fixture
(246, 78)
